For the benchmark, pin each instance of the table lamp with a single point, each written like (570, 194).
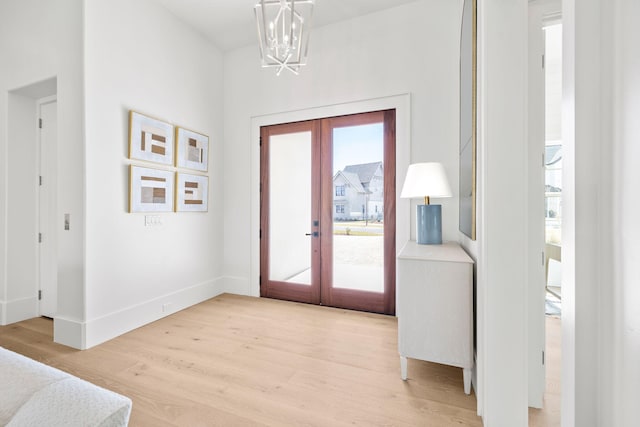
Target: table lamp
(427, 180)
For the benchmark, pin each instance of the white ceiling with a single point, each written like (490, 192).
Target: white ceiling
(230, 24)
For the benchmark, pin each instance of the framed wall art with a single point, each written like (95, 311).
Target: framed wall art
(192, 150)
(192, 193)
(150, 139)
(151, 190)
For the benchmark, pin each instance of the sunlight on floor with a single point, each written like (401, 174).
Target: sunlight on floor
(357, 264)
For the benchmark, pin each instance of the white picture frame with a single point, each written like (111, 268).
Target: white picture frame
(192, 150)
(192, 193)
(150, 139)
(151, 190)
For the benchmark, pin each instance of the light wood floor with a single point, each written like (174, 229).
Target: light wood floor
(241, 361)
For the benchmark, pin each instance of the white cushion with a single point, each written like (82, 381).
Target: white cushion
(20, 377)
(34, 394)
(73, 402)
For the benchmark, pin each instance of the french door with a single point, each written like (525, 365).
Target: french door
(327, 219)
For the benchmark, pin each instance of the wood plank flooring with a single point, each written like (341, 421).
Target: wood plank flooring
(242, 361)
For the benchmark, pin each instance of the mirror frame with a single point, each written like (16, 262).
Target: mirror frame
(468, 119)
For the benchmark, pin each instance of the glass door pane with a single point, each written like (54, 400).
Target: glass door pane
(358, 207)
(290, 207)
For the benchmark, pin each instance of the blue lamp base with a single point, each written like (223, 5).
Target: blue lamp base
(429, 225)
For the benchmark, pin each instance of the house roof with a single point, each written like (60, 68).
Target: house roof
(364, 171)
(352, 179)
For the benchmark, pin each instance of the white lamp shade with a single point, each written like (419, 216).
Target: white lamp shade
(426, 179)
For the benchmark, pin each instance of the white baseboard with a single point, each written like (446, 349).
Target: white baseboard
(237, 285)
(96, 331)
(18, 310)
(69, 332)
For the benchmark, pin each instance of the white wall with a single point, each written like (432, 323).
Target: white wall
(601, 343)
(139, 56)
(583, 254)
(626, 207)
(416, 53)
(40, 40)
(501, 379)
(619, 293)
(501, 288)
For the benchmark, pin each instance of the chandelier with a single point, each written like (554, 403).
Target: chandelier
(283, 32)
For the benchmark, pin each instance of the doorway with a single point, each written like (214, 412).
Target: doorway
(327, 211)
(23, 203)
(545, 192)
(553, 165)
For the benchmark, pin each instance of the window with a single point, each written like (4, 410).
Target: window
(553, 193)
(553, 134)
(340, 191)
(340, 209)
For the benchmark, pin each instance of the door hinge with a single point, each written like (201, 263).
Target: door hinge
(40, 123)
(542, 257)
(543, 60)
(40, 180)
(39, 237)
(543, 162)
(260, 141)
(542, 357)
(39, 295)
(261, 233)
(260, 280)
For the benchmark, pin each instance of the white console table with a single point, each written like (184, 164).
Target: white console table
(435, 306)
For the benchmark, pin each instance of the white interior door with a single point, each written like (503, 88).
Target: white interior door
(48, 264)
(535, 200)
(540, 12)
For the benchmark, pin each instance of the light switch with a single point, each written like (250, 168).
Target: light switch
(152, 220)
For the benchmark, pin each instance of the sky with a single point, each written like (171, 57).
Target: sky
(357, 144)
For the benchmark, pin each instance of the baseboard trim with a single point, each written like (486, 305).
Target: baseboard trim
(18, 310)
(69, 332)
(84, 335)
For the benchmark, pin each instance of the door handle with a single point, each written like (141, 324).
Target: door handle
(314, 234)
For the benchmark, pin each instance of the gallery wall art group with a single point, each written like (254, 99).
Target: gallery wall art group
(178, 181)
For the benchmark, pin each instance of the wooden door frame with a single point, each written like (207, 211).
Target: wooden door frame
(285, 290)
(321, 291)
(402, 105)
(368, 301)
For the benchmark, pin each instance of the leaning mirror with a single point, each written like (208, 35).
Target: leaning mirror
(467, 153)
